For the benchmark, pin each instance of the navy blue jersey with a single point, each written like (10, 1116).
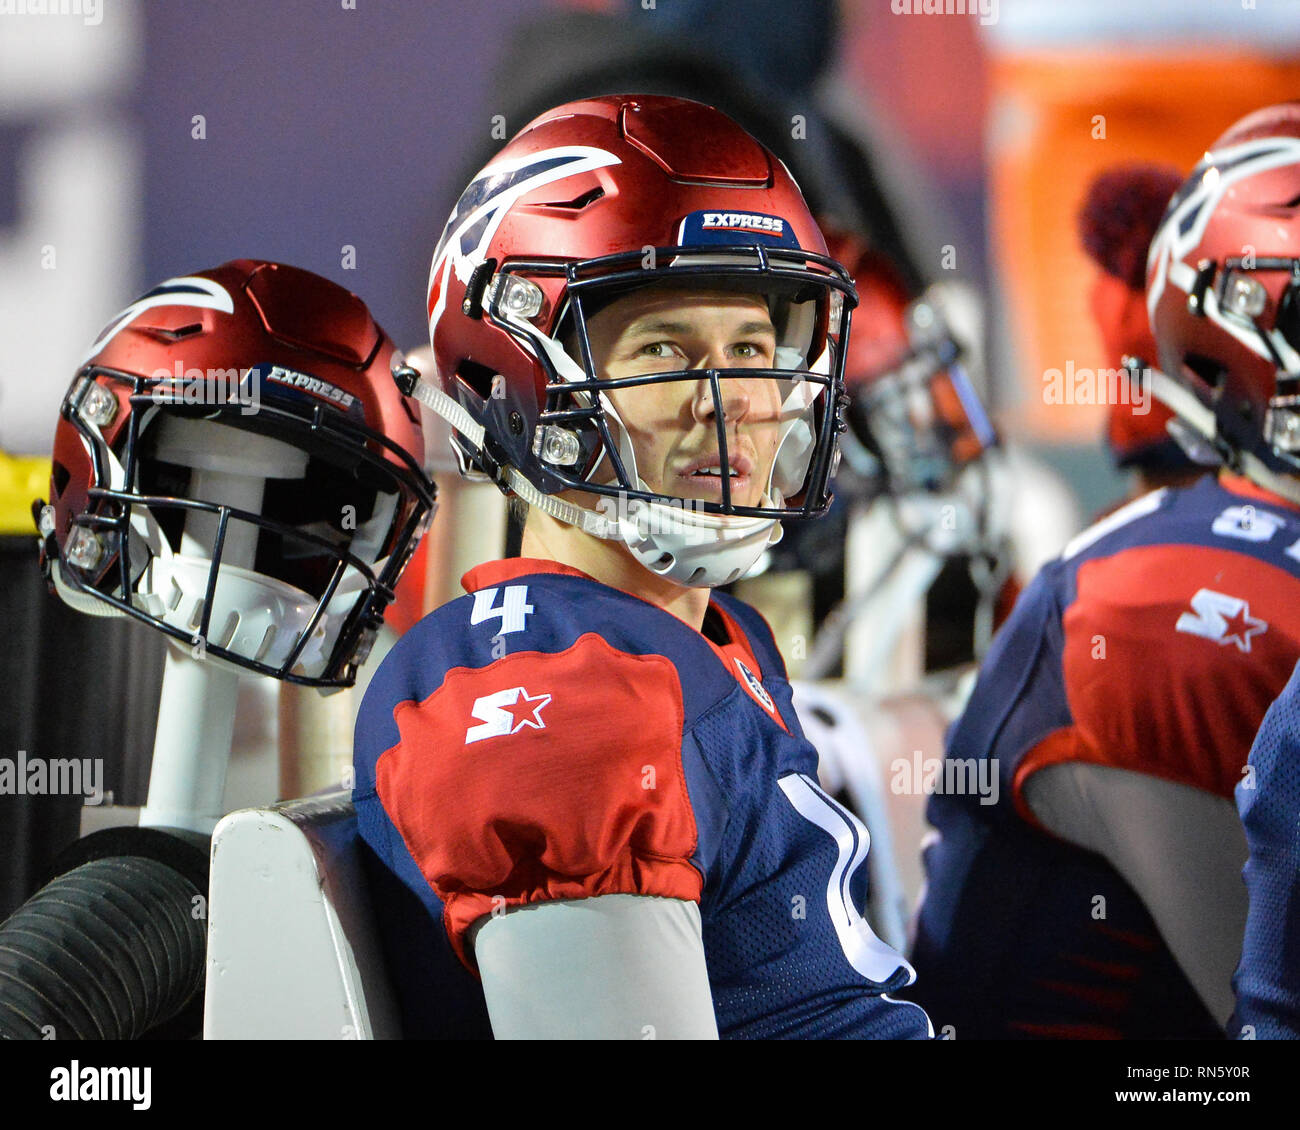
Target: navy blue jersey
(1154, 644)
(1267, 982)
(549, 737)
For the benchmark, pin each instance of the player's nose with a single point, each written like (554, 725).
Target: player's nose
(733, 392)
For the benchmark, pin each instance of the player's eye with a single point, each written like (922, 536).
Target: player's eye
(657, 349)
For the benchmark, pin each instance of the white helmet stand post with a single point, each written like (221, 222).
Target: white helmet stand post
(196, 713)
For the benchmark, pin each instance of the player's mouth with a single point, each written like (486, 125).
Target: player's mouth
(705, 477)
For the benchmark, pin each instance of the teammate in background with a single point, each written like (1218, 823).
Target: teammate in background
(1097, 891)
(1120, 213)
(913, 450)
(585, 781)
(1267, 981)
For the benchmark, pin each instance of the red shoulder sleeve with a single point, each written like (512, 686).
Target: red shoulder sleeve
(544, 776)
(1172, 654)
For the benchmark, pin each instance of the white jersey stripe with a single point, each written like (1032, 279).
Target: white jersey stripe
(865, 952)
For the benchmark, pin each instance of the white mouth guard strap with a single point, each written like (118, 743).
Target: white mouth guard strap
(588, 521)
(459, 418)
(450, 410)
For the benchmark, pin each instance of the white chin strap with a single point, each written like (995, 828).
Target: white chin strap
(78, 600)
(694, 549)
(255, 616)
(705, 550)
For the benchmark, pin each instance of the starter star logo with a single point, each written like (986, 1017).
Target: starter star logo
(1240, 626)
(506, 712)
(1222, 618)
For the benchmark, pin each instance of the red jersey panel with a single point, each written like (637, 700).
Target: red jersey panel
(1154, 634)
(509, 788)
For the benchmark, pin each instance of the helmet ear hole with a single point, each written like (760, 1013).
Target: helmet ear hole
(1210, 371)
(477, 378)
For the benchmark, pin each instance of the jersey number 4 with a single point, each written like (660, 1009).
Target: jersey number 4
(512, 613)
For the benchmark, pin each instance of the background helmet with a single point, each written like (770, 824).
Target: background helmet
(915, 419)
(588, 202)
(234, 466)
(1223, 293)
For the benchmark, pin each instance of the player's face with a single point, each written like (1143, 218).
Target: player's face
(672, 424)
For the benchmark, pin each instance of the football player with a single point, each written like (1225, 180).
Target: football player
(592, 810)
(1120, 213)
(1085, 881)
(1267, 981)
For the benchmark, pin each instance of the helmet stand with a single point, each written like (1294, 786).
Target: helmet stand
(196, 715)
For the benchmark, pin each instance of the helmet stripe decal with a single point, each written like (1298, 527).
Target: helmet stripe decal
(1192, 206)
(187, 291)
(484, 204)
(490, 183)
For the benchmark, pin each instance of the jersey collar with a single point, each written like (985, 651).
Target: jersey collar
(1239, 484)
(511, 569)
(492, 573)
(737, 656)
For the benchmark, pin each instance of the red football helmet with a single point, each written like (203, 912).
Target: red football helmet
(234, 467)
(591, 201)
(914, 417)
(1223, 293)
